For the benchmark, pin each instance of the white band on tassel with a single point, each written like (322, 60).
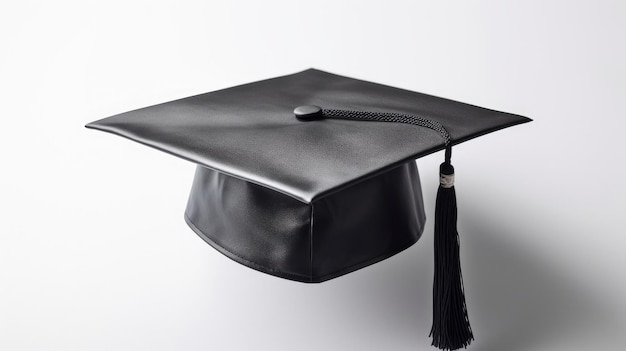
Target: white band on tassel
(446, 181)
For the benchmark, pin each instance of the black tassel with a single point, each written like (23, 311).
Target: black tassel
(451, 329)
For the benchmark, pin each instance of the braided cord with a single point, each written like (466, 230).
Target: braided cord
(390, 117)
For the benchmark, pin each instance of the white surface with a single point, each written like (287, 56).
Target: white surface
(94, 252)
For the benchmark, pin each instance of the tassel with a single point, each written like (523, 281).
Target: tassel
(451, 329)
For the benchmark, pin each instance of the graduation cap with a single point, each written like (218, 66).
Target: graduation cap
(311, 176)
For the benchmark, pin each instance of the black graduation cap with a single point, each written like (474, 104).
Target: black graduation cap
(311, 176)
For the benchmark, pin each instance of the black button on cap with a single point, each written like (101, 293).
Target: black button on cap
(308, 112)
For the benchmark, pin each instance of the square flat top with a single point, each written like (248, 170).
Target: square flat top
(250, 132)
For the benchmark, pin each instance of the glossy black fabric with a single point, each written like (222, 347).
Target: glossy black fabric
(309, 242)
(306, 201)
(250, 131)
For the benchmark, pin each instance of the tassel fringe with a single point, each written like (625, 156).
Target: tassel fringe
(451, 328)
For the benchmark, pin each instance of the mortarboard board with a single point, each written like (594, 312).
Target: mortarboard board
(311, 176)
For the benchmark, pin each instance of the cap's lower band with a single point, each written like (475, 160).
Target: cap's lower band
(308, 242)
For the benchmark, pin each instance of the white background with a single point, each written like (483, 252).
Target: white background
(94, 252)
